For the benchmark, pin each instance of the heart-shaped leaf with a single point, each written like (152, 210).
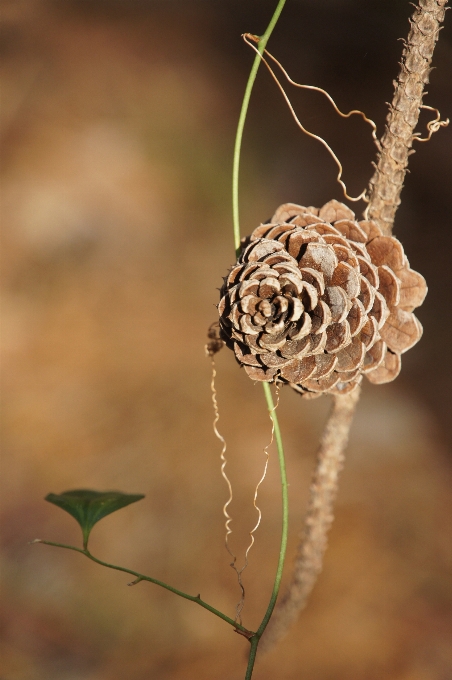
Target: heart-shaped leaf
(88, 507)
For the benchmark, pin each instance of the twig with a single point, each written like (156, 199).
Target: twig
(256, 638)
(141, 577)
(263, 40)
(387, 181)
(319, 517)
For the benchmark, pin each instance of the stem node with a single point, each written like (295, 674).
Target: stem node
(137, 580)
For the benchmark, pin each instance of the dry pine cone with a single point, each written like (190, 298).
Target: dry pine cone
(317, 299)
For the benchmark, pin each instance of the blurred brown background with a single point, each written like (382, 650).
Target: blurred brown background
(118, 120)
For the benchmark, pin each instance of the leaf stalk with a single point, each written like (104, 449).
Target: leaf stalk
(142, 577)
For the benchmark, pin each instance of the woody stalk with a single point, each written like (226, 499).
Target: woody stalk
(383, 198)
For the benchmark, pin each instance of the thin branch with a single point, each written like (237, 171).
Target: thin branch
(319, 517)
(284, 533)
(392, 160)
(272, 410)
(255, 639)
(141, 577)
(285, 510)
(263, 40)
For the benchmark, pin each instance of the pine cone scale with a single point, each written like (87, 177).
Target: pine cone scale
(318, 299)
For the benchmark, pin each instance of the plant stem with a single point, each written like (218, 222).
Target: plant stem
(252, 657)
(285, 526)
(285, 510)
(141, 577)
(268, 395)
(319, 517)
(392, 159)
(238, 139)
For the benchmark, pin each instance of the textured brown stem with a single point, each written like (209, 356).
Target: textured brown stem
(319, 517)
(384, 199)
(392, 160)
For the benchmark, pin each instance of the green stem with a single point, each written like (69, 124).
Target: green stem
(285, 527)
(141, 577)
(285, 511)
(268, 395)
(252, 657)
(241, 124)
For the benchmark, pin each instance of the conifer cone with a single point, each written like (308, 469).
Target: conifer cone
(318, 299)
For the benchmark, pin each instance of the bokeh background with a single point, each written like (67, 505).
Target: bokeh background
(118, 121)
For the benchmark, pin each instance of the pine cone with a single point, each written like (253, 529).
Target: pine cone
(317, 299)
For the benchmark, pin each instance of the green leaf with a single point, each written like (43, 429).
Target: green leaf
(88, 507)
